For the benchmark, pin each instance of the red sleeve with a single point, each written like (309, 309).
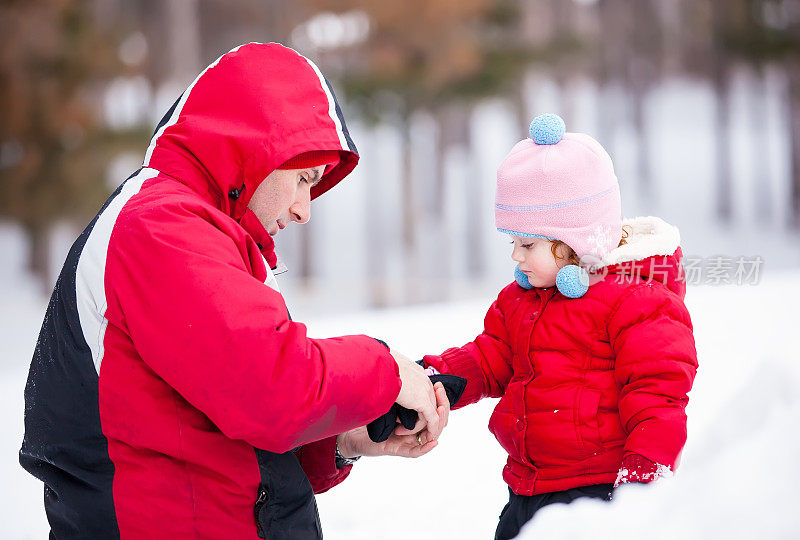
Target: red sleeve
(318, 460)
(223, 339)
(485, 362)
(656, 362)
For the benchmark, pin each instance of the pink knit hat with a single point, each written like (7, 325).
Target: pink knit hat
(560, 186)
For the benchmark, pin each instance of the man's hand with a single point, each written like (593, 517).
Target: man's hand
(357, 442)
(417, 393)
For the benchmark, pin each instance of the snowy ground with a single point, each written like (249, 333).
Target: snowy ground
(738, 477)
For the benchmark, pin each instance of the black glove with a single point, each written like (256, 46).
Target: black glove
(380, 429)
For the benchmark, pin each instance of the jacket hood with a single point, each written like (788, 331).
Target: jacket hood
(652, 251)
(243, 116)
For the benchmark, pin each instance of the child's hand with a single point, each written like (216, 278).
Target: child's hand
(639, 469)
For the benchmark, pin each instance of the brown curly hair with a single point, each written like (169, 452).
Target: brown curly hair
(569, 254)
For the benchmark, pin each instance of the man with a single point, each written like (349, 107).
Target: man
(170, 395)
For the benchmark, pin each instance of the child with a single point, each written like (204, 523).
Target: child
(591, 348)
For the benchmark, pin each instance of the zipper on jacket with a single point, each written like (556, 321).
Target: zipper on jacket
(236, 193)
(260, 501)
(543, 301)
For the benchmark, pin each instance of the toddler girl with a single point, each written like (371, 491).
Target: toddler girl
(590, 348)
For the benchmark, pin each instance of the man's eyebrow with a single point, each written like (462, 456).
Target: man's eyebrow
(315, 178)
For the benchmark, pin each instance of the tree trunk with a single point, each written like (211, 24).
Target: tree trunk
(519, 103)
(475, 202)
(39, 254)
(184, 39)
(794, 127)
(440, 246)
(724, 204)
(409, 211)
(639, 96)
(304, 253)
(762, 194)
(613, 54)
(721, 78)
(376, 230)
(644, 69)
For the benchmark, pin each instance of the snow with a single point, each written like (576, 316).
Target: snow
(738, 477)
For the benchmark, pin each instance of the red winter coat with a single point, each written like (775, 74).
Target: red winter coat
(165, 364)
(584, 381)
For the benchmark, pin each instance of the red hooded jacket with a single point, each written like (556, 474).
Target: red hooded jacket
(585, 381)
(165, 364)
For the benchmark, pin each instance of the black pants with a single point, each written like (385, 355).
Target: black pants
(521, 508)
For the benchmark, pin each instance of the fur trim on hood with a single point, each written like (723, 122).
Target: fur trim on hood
(648, 236)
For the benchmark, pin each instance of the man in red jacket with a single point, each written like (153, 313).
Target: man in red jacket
(170, 393)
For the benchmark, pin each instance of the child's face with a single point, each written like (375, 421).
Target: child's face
(535, 258)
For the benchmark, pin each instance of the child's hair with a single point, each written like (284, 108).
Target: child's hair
(572, 257)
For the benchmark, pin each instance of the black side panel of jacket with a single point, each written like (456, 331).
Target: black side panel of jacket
(64, 445)
(285, 507)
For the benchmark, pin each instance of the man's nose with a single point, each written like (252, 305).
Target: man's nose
(301, 208)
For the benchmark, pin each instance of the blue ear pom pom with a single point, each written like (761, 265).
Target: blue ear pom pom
(547, 129)
(522, 279)
(572, 281)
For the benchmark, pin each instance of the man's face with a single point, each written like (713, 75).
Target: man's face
(284, 196)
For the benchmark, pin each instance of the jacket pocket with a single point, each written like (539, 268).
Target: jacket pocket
(588, 427)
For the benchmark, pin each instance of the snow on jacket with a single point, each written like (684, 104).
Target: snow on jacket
(169, 386)
(585, 381)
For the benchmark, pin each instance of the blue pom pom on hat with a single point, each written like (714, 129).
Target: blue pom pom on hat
(522, 279)
(547, 128)
(572, 281)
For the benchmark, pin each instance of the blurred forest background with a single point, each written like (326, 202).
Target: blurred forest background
(697, 101)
